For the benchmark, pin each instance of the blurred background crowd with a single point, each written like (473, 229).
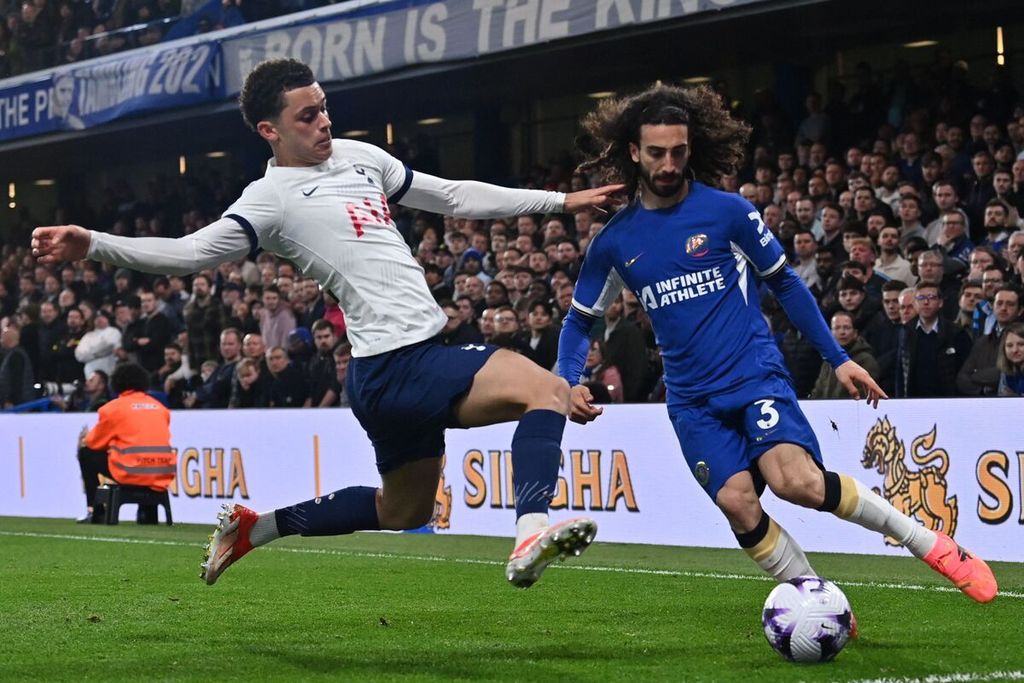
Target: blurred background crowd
(898, 200)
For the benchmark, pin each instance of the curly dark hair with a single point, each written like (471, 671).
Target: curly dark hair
(129, 377)
(262, 95)
(717, 140)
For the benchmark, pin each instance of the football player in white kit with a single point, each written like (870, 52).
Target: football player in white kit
(323, 204)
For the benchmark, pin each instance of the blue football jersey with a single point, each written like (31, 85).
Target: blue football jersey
(693, 268)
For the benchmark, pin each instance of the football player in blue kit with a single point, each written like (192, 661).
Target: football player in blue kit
(694, 256)
(324, 204)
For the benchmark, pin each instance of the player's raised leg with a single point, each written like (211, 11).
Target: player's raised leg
(793, 476)
(511, 387)
(404, 501)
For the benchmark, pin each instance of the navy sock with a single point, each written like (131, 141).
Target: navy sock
(341, 512)
(536, 450)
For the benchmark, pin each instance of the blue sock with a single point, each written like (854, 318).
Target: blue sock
(536, 449)
(341, 512)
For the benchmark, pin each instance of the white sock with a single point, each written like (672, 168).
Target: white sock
(529, 524)
(264, 530)
(862, 506)
(780, 555)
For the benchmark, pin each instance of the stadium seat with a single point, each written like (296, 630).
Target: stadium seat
(113, 496)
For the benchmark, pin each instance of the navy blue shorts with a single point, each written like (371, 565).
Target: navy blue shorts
(729, 432)
(404, 398)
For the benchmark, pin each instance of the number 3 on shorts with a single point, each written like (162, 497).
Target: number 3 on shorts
(771, 416)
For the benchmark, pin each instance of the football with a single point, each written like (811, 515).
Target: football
(807, 619)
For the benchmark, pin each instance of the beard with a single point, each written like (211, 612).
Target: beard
(673, 182)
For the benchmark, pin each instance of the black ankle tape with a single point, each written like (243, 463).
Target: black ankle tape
(833, 492)
(751, 538)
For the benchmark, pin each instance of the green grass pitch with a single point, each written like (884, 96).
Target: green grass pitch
(126, 603)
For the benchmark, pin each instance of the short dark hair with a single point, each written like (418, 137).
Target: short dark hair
(262, 95)
(894, 286)
(322, 324)
(129, 377)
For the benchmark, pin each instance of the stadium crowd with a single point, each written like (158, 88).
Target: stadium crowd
(899, 205)
(38, 34)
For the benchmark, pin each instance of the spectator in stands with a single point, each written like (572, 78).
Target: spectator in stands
(460, 328)
(506, 329)
(805, 265)
(997, 224)
(931, 350)
(16, 380)
(216, 390)
(250, 387)
(203, 320)
(992, 278)
(627, 350)
(90, 396)
(68, 368)
(175, 369)
(883, 332)
(979, 375)
(289, 388)
(540, 342)
(51, 330)
(147, 336)
(931, 268)
(909, 210)
(845, 333)
(320, 370)
(890, 262)
(96, 349)
(598, 372)
(831, 225)
(130, 443)
(337, 395)
(1011, 361)
(971, 293)
(977, 192)
(276, 318)
(953, 239)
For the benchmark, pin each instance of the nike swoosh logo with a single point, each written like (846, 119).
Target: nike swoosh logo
(633, 260)
(306, 194)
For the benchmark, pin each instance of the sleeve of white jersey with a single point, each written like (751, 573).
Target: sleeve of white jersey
(259, 212)
(472, 199)
(218, 242)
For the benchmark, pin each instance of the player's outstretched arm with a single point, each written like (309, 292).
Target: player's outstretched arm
(473, 199)
(595, 196)
(222, 240)
(851, 375)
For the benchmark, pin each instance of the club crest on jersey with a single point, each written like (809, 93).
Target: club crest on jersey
(697, 245)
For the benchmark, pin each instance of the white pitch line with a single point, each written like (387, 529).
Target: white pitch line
(722, 576)
(969, 677)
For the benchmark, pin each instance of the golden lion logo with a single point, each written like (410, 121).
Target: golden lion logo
(921, 494)
(442, 503)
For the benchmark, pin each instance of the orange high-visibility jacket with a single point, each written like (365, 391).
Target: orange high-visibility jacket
(135, 430)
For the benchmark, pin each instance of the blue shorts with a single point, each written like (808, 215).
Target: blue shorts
(404, 398)
(729, 432)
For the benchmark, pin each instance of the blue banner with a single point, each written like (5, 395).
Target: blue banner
(95, 92)
(341, 42)
(390, 36)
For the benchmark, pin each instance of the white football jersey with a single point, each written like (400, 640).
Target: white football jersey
(333, 222)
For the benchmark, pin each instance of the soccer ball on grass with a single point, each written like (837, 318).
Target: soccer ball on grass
(807, 619)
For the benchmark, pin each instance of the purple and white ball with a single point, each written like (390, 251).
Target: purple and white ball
(807, 619)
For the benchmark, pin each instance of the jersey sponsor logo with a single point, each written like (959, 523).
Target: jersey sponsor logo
(682, 288)
(308, 194)
(762, 229)
(697, 245)
(633, 260)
